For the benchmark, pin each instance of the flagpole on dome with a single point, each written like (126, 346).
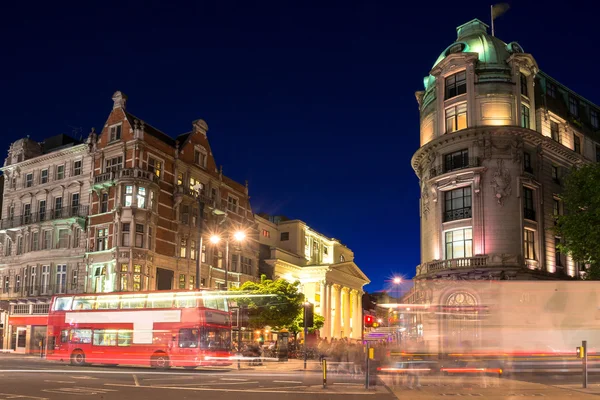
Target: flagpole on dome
(492, 16)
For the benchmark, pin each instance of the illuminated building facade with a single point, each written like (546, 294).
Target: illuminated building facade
(329, 277)
(42, 232)
(497, 137)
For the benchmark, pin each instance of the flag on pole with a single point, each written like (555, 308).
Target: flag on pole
(499, 9)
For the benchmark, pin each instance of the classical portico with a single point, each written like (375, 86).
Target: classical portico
(336, 291)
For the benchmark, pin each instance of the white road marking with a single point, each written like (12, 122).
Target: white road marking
(205, 384)
(287, 382)
(171, 379)
(20, 396)
(135, 379)
(234, 379)
(205, 389)
(51, 381)
(80, 391)
(83, 377)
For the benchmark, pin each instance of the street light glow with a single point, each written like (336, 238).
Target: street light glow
(239, 236)
(214, 239)
(397, 280)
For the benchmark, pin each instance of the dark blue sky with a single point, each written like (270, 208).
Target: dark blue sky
(313, 104)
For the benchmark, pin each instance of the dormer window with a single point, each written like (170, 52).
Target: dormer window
(200, 157)
(455, 48)
(115, 133)
(550, 89)
(573, 107)
(456, 85)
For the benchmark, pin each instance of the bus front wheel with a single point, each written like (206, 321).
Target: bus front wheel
(78, 358)
(160, 361)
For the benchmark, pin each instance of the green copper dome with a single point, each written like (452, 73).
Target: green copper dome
(473, 37)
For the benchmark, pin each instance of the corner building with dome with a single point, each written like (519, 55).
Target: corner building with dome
(498, 136)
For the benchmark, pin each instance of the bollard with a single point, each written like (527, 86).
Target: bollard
(585, 363)
(324, 362)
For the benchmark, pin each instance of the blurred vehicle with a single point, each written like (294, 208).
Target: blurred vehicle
(164, 329)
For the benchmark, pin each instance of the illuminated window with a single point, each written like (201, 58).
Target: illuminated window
(525, 116)
(124, 278)
(137, 278)
(182, 248)
(181, 281)
(155, 166)
(457, 204)
(459, 243)
(141, 197)
(193, 249)
(128, 196)
(528, 204)
(192, 282)
(554, 134)
(266, 233)
(456, 118)
(456, 85)
(179, 179)
(193, 183)
(529, 236)
(203, 253)
(102, 239)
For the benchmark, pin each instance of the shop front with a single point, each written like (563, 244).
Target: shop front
(27, 334)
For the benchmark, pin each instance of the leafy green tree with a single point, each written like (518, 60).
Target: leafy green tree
(579, 226)
(297, 325)
(273, 303)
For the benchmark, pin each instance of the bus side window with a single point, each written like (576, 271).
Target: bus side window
(64, 336)
(188, 338)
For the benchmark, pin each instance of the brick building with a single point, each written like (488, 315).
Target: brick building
(144, 210)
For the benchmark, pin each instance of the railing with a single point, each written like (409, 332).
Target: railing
(13, 292)
(126, 173)
(529, 214)
(30, 309)
(459, 213)
(46, 215)
(442, 169)
(467, 262)
(187, 191)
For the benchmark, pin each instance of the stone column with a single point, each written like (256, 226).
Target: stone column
(323, 307)
(355, 320)
(359, 315)
(337, 318)
(346, 312)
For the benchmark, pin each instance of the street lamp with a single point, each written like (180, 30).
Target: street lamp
(239, 236)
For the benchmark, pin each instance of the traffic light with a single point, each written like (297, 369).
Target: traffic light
(309, 315)
(580, 352)
(369, 321)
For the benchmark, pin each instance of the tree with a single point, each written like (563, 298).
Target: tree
(272, 303)
(297, 325)
(579, 226)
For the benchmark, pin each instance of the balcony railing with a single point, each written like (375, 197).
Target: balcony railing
(442, 169)
(46, 215)
(467, 262)
(30, 309)
(459, 213)
(187, 191)
(125, 173)
(16, 292)
(529, 214)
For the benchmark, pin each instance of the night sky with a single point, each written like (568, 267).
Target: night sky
(313, 104)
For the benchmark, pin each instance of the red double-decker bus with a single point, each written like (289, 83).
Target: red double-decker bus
(160, 329)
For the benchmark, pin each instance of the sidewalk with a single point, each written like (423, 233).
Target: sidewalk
(488, 388)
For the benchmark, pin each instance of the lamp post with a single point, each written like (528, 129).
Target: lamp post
(198, 188)
(239, 236)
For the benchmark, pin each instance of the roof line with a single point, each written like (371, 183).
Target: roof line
(567, 89)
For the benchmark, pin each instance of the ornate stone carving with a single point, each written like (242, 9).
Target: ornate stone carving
(517, 150)
(485, 147)
(501, 182)
(476, 183)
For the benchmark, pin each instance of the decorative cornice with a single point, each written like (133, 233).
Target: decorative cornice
(46, 157)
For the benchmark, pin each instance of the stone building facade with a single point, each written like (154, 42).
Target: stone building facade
(42, 231)
(325, 268)
(497, 137)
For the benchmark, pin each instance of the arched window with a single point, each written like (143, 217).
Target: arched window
(342, 258)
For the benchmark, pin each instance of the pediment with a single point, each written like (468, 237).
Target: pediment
(350, 269)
